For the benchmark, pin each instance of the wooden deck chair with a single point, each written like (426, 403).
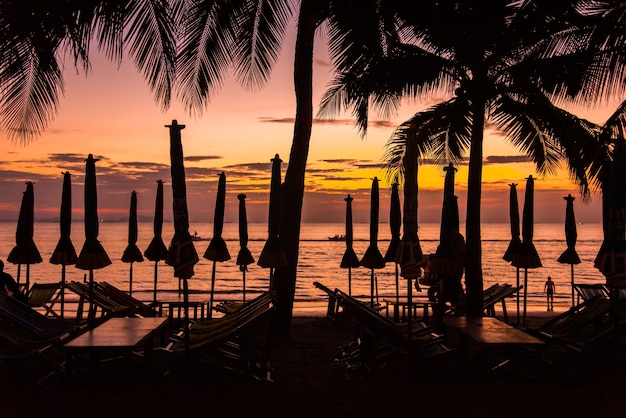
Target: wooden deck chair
(599, 333)
(45, 296)
(13, 311)
(124, 299)
(231, 340)
(381, 339)
(103, 304)
(333, 301)
(589, 291)
(573, 319)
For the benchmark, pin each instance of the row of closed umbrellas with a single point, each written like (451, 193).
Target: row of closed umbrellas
(181, 253)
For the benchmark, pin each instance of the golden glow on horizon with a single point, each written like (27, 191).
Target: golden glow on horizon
(111, 114)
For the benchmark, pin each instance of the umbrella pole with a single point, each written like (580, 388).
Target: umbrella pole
(525, 293)
(409, 325)
(210, 308)
(244, 285)
(19, 270)
(92, 314)
(130, 280)
(372, 288)
(396, 310)
(27, 278)
(572, 272)
(156, 272)
(186, 304)
(62, 291)
(517, 283)
(350, 281)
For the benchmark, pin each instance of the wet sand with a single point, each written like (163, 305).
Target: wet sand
(308, 382)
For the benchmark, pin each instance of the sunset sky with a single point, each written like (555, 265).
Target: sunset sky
(110, 113)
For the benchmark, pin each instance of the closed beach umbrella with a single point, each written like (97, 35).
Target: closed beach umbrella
(244, 258)
(410, 256)
(611, 259)
(181, 253)
(395, 224)
(515, 243)
(527, 257)
(25, 250)
(373, 259)
(273, 254)
(132, 254)
(443, 262)
(92, 256)
(157, 250)
(570, 256)
(65, 253)
(217, 250)
(349, 259)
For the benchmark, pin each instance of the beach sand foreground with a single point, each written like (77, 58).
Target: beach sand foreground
(307, 382)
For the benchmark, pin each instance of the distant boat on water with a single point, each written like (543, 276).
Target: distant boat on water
(337, 237)
(196, 237)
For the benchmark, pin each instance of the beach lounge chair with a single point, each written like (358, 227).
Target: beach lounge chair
(109, 301)
(573, 319)
(589, 291)
(45, 296)
(333, 301)
(230, 341)
(30, 341)
(380, 339)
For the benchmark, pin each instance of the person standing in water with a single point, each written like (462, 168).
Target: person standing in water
(550, 288)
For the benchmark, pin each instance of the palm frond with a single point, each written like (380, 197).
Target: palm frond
(205, 53)
(262, 26)
(442, 134)
(31, 87)
(547, 135)
(152, 45)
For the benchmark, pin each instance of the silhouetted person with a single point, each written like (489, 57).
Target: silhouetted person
(550, 288)
(9, 286)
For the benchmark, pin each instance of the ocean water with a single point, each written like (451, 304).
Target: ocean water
(319, 261)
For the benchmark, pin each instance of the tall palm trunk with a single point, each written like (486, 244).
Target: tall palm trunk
(473, 263)
(293, 187)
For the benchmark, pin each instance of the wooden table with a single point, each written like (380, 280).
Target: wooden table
(117, 334)
(491, 334)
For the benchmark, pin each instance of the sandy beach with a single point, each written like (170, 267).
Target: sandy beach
(308, 382)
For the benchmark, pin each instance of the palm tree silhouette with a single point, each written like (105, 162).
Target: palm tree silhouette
(500, 67)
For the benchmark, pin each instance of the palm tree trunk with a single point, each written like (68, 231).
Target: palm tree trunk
(293, 187)
(473, 263)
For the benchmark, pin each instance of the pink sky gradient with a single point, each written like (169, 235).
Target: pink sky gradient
(110, 113)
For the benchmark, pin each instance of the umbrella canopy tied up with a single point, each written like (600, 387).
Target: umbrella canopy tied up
(570, 256)
(65, 253)
(527, 256)
(395, 223)
(410, 255)
(217, 250)
(244, 258)
(372, 258)
(181, 254)
(157, 250)
(92, 255)
(349, 258)
(25, 250)
(132, 253)
(515, 242)
(273, 254)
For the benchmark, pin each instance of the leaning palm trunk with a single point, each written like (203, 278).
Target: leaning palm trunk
(473, 266)
(293, 187)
